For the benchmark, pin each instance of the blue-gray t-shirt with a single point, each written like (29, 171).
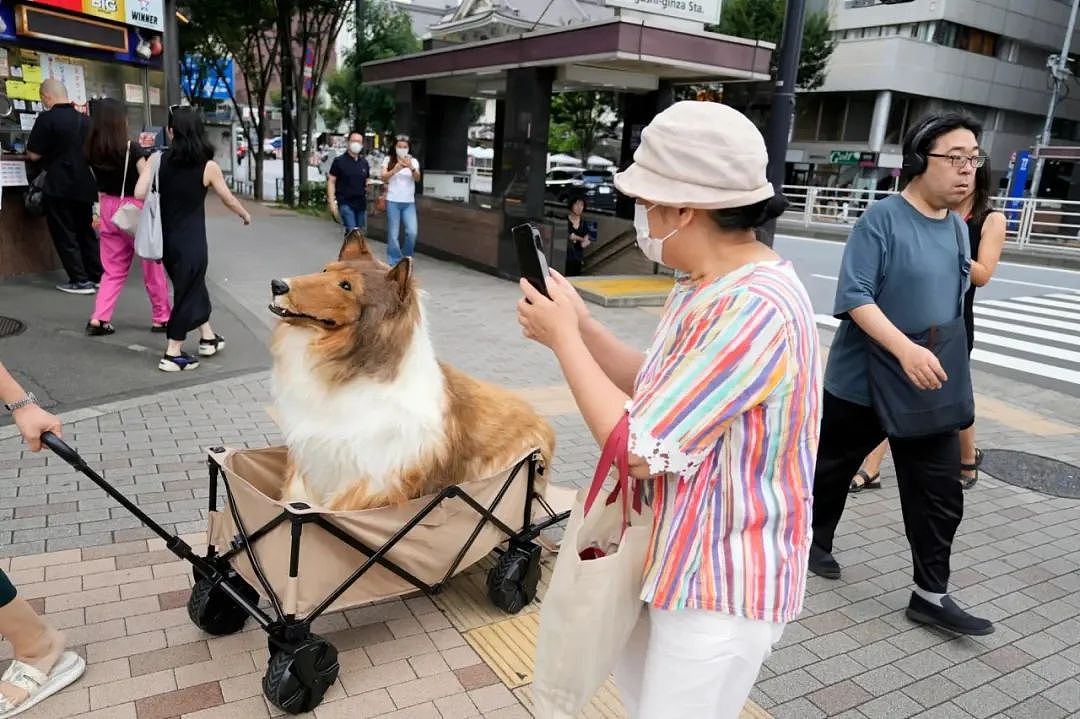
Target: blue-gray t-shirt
(911, 267)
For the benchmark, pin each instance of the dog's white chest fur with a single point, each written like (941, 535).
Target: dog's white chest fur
(363, 429)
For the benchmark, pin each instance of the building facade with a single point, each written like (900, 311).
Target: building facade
(896, 61)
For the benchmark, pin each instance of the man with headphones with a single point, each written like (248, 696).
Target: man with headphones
(904, 270)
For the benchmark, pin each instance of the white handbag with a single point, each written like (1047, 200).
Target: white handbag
(594, 599)
(126, 217)
(149, 243)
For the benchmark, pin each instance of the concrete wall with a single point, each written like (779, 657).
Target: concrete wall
(920, 68)
(1038, 22)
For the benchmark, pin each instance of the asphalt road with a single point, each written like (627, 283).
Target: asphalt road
(1027, 320)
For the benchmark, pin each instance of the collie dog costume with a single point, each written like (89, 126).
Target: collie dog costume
(370, 416)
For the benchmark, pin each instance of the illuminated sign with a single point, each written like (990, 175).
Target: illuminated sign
(149, 14)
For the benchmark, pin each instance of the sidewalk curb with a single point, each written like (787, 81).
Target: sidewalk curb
(99, 410)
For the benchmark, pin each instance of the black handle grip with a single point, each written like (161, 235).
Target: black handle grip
(62, 449)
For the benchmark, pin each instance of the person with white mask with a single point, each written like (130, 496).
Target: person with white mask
(723, 412)
(401, 172)
(346, 185)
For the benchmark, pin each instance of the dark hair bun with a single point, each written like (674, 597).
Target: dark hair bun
(751, 216)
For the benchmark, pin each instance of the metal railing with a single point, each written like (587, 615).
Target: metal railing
(1031, 223)
(244, 188)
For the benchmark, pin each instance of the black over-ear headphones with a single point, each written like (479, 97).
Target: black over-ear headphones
(915, 158)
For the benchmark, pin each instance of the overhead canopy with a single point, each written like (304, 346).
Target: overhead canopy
(620, 54)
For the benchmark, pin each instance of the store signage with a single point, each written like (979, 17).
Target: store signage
(706, 12)
(145, 13)
(844, 157)
(140, 13)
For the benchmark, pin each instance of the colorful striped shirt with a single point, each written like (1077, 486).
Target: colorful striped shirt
(726, 411)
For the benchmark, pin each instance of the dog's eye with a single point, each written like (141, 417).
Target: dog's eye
(344, 284)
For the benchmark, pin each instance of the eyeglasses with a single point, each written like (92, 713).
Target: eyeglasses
(958, 161)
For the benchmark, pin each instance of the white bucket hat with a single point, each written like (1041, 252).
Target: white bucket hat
(698, 154)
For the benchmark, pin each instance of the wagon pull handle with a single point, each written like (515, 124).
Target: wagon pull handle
(172, 542)
(63, 450)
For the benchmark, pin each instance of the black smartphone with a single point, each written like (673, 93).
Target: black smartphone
(532, 264)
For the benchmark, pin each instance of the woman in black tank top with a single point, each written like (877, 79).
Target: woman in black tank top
(187, 170)
(986, 233)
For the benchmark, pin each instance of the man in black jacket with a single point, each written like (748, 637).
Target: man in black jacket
(56, 146)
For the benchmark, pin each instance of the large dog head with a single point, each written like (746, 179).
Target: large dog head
(363, 311)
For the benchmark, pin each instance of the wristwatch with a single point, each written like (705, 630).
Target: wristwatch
(29, 399)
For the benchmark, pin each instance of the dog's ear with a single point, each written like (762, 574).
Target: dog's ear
(401, 275)
(354, 247)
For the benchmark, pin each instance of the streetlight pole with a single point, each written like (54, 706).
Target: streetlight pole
(783, 102)
(1059, 72)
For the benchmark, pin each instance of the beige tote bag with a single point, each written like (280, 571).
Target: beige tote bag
(593, 601)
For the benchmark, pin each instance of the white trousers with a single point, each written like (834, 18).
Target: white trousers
(692, 663)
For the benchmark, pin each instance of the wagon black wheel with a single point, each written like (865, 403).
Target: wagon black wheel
(214, 611)
(297, 680)
(513, 580)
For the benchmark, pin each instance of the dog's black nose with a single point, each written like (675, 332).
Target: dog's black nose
(278, 287)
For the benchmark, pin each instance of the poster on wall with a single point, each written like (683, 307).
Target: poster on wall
(4, 67)
(133, 93)
(155, 96)
(72, 76)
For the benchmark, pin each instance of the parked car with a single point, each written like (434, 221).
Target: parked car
(599, 190)
(561, 181)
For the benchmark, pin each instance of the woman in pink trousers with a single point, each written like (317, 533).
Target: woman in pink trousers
(116, 161)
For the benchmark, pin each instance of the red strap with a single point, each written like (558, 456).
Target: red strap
(616, 451)
(614, 448)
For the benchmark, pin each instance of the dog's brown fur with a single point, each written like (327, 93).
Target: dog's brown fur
(362, 334)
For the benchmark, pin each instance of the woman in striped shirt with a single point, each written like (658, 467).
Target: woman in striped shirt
(724, 411)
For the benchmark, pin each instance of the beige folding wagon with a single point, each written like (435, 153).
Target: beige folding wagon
(305, 561)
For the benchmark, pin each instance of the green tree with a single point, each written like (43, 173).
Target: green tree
(315, 25)
(764, 20)
(579, 119)
(219, 30)
(387, 33)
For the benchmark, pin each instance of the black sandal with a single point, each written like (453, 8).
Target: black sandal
(968, 482)
(867, 483)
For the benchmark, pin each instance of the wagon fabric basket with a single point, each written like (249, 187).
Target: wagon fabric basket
(304, 560)
(441, 537)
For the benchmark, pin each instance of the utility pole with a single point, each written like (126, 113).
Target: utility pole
(284, 29)
(783, 102)
(1059, 75)
(171, 58)
(358, 26)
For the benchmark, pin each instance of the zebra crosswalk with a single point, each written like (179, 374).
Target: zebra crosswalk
(1037, 337)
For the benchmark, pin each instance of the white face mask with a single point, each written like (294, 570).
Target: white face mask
(401, 151)
(651, 247)
(355, 148)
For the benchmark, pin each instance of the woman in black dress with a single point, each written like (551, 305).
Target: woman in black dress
(986, 233)
(187, 169)
(577, 236)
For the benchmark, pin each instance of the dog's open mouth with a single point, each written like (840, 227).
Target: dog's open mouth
(289, 314)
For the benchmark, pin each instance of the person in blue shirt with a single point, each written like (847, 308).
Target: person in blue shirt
(905, 268)
(346, 185)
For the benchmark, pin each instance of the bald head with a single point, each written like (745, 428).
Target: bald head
(52, 92)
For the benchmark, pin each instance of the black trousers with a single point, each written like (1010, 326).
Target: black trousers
(927, 471)
(72, 231)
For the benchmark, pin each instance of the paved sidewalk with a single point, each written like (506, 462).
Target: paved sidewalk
(852, 654)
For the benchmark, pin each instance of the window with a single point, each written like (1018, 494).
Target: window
(860, 114)
(962, 37)
(898, 121)
(807, 109)
(833, 109)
